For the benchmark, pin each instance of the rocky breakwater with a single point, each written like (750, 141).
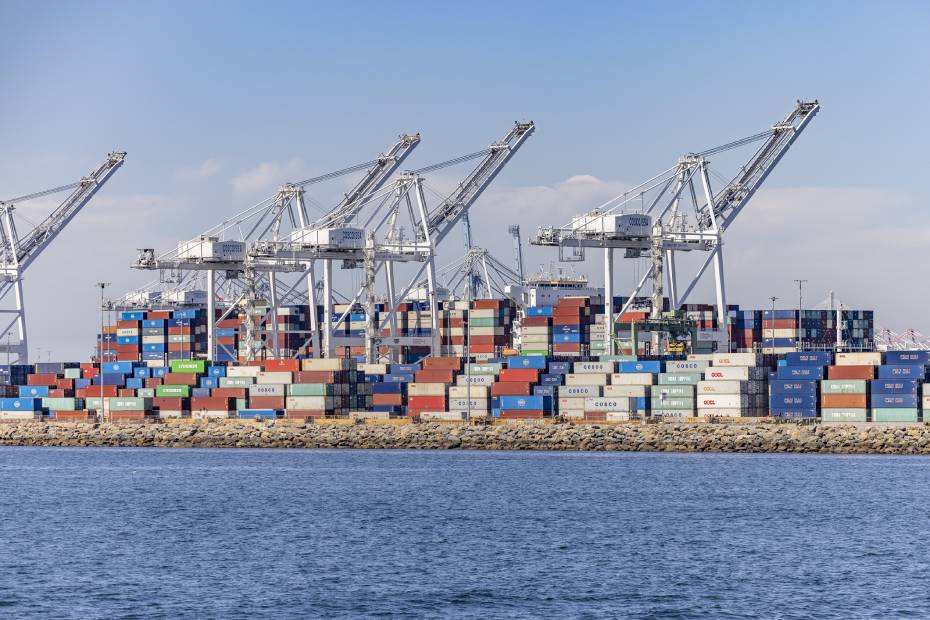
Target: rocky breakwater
(759, 437)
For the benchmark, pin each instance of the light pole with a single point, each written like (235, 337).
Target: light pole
(101, 286)
(800, 312)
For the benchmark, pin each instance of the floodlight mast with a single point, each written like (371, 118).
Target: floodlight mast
(670, 227)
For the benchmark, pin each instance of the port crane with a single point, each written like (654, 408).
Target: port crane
(478, 272)
(19, 251)
(675, 211)
(378, 240)
(220, 253)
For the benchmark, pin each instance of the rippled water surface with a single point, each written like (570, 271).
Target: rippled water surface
(275, 533)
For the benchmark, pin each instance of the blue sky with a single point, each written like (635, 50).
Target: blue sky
(203, 94)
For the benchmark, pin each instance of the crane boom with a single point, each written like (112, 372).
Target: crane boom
(446, 215)
(384, 166)
(730, 200)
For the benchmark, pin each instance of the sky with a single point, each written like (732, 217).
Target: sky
(218, 103)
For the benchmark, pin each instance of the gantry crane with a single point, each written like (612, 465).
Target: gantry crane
(19, 251)
(683, 214)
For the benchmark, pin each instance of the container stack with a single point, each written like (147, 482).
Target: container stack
(571, 317)
(452, 319)
(734, 385)
(429, 391)
(489, 326)
(536, 331)
(794, 391)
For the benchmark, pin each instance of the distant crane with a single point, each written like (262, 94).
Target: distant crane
(17, 252)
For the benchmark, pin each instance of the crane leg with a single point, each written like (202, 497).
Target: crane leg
(327, 308)
(433, 314)
(211, 315)
(608, 300)
(275, 327)
(23, 347)
(721, 293)
(314, 315)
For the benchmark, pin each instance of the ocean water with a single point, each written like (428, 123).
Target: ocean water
(139, 533)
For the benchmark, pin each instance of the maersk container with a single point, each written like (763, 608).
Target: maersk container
(127, 340)
(894, 386)
(527, 361)
(33, 391)
(123, 368)
(159, 372)
(20, 404)
(895, 401)
(907, 358)
(793, 401)
(809, 358)
(780, 386)
(216, 371)
(209, 382)
(534, 403)
(539, 311)
(567, 338)
(902, 372)
(895, 414)
(653, 366)
(800, 372)
(142, 372)
(264, 414)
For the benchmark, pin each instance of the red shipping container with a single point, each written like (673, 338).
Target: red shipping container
(158, 315)
(229, 323)
(481, 348)
(128, 324)
(850, 372)
(109, 391)
(566, 302)
(212, 403)
(282, 365)
(128, 392)
(488, 341)
(126, 416)
(842, 401)
(65, 384)
(567, 320)
(523, 375)
(521, 414)
(48, 379)
(442, 363)
(127, 357)
(73, 416)
(487, 304)
(152, 382)
(321, 376)
(387, 399)
(229, 392)
(170, 403)
(536, 321)
(630, 317)
(58, 393)
(427, 403)
(266, 402)
(126, 348)
(181, 331)
(182, 378)
(595, 416)
(566, 347)
(510, 389)
(434, 376)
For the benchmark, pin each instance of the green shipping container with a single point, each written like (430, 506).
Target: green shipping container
(844, 415)
(677, 391)
(311, 389)
(843, 386)
(242, 403)
(887, 414)
(484, 369)
(63, 404)
(483, 322)
(236, 382)
(146, 392)
(673, 403)
(125, 403)
(92, 403)
(617, 358)
(198, 366)
(175, 391)
(673, 378)
(179, 339)
(542, 352)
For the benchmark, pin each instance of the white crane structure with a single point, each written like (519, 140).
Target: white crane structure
(364, 230)
(378, 240)
(18, 250)
(910, 340)
(677, 210)
(478, 272)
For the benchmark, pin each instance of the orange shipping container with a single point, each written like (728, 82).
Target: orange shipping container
(182, 378)
(73, 416)
(42, 379)
(266, 402)
(170, 403)
(126, 416)
(523, 375)
(850, 372)
(435, 376)
(109, 391)
(387, 399)
(427, 403)
(442, 363)
(212, 403)
(844, 401)
(303, 414)
(487, 304)
(282, 365)
(521, 414)
(229, 392)
(510, 389)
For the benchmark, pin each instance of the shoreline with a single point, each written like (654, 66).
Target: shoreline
(665, 437)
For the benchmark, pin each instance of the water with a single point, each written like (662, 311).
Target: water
(88, 533)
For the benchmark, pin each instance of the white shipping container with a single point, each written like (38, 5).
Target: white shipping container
(267, 389)
(426, 389)
(725, 412)
(480, 404)
(127, 331)
(865, 358)
(352, 238)
(374, 369)
(211, 249)
(607, 404)
(309, 402)
(533, 338)
(330, 364)
(586, 391)
(593, 368)
(274, 377)
(571, 413)
(464, 391)
(629, 391)
(736, 359)
(723, 401)
(571, 402)
(723, 387)
(442, 415)
(735, 373)
(206, 414)
(243, 371)
(586, 379)
(673, 366)
(474, 379)
(632, 378)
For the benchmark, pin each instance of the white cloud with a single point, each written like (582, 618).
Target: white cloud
(203, 170)
(266, 175)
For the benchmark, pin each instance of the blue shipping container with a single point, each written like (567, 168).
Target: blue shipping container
(539, 311)
(401, 377)
(209, 382)
(544, 390)
(132, 316)
(135, 383)
(563, 338)
(653, 366)
(258, 413)
(33, 391)
(20, 404)
(902, 372)
(892, 401)
(534, 403)
(527, 361)
(216, 371)
(125, 368)
(894, 386)
(783, 386)
(792, 401)
(810, 412)
(142, 372)
(388, 388)
(153, 323)
(809, 358)
(186, 313)
(403, 368)
(800, 372)
(550, 379)
(560, 368)
(907, 358)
